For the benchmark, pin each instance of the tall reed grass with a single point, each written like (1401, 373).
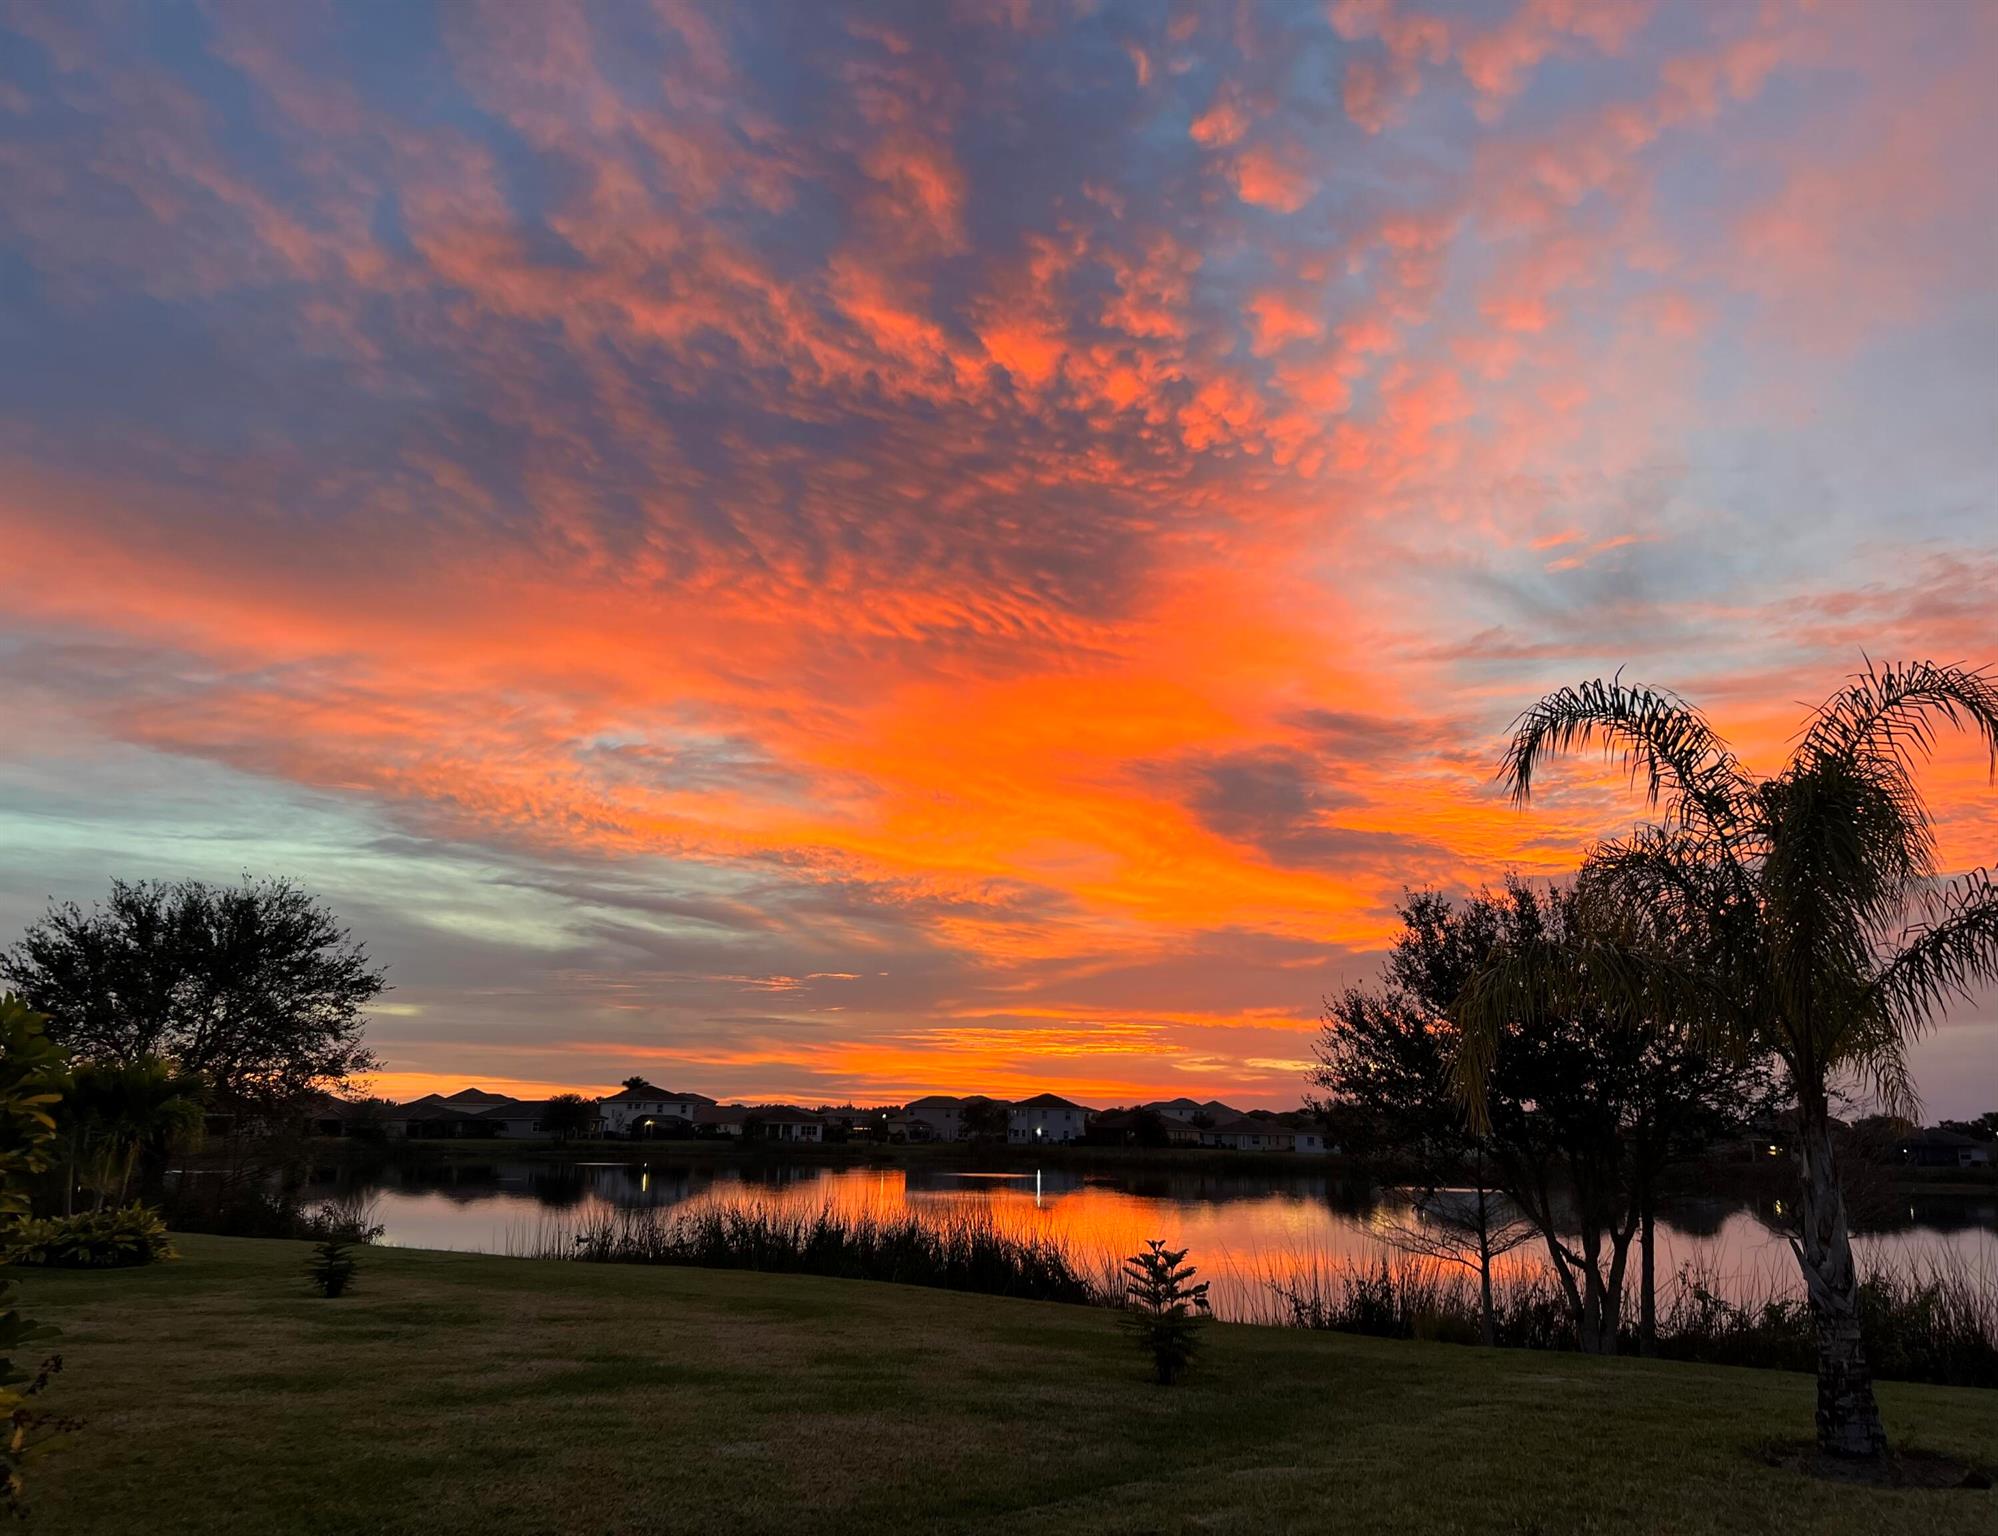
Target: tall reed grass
(960, 1253)
(1929, 1318)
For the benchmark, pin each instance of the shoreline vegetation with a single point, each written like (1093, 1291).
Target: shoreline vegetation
(793, 1402)
(1931, 1320)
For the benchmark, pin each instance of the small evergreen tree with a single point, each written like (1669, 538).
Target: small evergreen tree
(1164, 1309)
(332, 1265)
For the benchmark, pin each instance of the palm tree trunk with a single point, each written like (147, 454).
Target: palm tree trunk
(1848, 1417)
(69, 1170)
(1647, 1283)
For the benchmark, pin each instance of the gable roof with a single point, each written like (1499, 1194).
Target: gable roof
(649, 1094)
(786, 1114)
(1049, 1101)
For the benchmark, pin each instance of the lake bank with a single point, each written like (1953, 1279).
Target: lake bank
(1247, 1225)
(453, 1393)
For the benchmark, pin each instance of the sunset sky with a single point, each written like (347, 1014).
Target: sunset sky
(815, 551)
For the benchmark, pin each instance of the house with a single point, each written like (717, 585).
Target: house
(720, 1120)
(783, 1122)
(1310, 1141)
(1046, 1117)
(638, 1111)
(1937, 1148)
(438, 1116)
(943, 1114)
(1192, 1112)
(1251, 1133)
(470, 1112)
(526, 1120)
(1123, 1128)
(325, 1115)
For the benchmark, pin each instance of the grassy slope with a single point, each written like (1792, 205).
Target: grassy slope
(459, 1393)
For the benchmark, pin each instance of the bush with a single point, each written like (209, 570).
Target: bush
(348, 1217)
(119, 1238)
(332, 1265)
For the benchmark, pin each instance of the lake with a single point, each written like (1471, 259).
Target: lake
(1243, 1228)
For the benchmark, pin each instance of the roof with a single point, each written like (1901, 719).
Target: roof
(1249, 1125)
(933, 1101)
(719, 1114)
(431, 1107)
(520, 1108)
(1048, 1101)
(786, 1114)
(659, 1095)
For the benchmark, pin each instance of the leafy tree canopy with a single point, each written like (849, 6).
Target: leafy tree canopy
(256, 986)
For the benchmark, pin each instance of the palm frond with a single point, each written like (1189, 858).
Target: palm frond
(1943, 959)
(1663, 741)
(1892, 709)
(1669, 880)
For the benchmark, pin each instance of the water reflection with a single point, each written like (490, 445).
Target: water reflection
(1244, 1229)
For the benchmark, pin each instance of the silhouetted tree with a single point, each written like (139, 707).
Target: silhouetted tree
(1799, 914)
(983, 1120)
(568, 1115)
(1580, 1110)
(1164, 1307)
(256, 987)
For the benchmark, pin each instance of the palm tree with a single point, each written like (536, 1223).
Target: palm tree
(119, 1109)
(1799, 914)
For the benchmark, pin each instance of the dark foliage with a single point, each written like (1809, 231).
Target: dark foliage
(1802, 915)
(255, 987)
(1582, 1112)
(567, 1116)
(1164, 1308)
(117, 1237)
(32, 1079)
(332, 1265)
(965, 1255)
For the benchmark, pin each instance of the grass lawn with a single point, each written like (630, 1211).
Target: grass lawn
(458, 1393)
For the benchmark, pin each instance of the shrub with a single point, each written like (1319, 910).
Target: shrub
(118, 1238)
(32, 1078)
(332, 1265)
(349, 1217)
(1164, 1308)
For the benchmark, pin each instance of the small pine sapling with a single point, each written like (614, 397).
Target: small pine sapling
(332, 1265)
(1164, 1309)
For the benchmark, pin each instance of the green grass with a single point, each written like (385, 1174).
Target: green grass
(453, 1393)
